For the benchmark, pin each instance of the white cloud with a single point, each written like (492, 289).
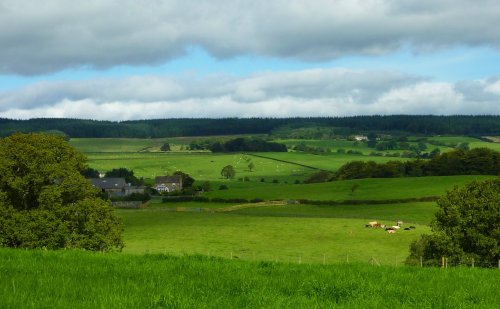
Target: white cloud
(318, 92)
(39, 37)
(494, 88)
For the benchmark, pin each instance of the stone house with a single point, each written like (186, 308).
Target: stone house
(168, 183)
(116, 186)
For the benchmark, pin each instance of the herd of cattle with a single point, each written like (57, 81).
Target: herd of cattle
(390, 229)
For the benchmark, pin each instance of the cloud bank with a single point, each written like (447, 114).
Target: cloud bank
(41, 37)
(316, 92)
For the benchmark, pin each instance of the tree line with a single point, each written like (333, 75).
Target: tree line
(477, 161)
(457, 125)
(247, 144)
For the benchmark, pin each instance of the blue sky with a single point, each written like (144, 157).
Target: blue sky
(254, 58)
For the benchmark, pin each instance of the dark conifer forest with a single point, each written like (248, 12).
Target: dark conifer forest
(423, 124)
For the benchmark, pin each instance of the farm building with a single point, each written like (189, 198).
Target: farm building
(116, 186)
(168, 183)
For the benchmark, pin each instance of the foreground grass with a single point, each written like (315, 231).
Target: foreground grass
(72, 279)
(271, 238)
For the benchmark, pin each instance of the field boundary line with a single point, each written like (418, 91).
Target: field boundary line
(289, 162)
(250, 205)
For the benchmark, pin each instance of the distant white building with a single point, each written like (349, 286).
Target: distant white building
(361, 138)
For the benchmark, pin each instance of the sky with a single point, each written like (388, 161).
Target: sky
(125, 59)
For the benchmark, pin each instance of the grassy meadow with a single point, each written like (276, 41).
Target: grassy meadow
(264, 237)
(75, 279)
(193, 255)
(368, 189)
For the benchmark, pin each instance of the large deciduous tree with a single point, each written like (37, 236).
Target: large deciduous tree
(228, 172)
(466, 227)
(124, 173)
(45, 201)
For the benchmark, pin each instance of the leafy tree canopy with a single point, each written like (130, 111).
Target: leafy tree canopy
(124, 173)
(165, 147)
(228, 172)
(45, 201)
(89, 172)
(466, 227)
(187, 181)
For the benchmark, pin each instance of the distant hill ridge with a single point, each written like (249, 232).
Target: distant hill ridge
(156, 128)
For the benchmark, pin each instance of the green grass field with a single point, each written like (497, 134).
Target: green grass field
(201, 166)
(326, 162)
(410, 213)
(75, 279)
(368, 189)
(264, 237)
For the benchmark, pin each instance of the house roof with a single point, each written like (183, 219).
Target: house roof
(108, 183)
(168, 179)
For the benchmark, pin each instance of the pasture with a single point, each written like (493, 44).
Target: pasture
(76, 279)
(411, 213)
(201, 166)
(261, 236)
(368, 189)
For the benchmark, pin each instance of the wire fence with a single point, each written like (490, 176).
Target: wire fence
(325, 259)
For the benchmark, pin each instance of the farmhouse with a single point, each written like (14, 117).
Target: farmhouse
(116, 186)
(361, 138)
(168, 183)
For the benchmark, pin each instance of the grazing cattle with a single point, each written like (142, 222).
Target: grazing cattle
(368, 225)
(372, 223)
(412, 227)
(396, 227)
(391, 231)
(407, 229)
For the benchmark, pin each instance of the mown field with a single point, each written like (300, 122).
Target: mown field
(75, 279)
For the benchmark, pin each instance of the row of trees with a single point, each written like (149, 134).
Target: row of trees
(246, 144)
(457, 125)
(477, 161)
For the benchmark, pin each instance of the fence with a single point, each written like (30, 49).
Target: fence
(326, 259)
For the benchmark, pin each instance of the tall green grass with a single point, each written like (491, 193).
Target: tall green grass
(72, 279)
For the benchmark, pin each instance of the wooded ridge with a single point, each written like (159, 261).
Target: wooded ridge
(421, 124)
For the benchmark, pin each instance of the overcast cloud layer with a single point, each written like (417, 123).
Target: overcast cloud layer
(38, 37)
(320, 92)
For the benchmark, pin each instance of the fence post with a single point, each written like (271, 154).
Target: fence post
(498, 264)
(442, 262)
(300, 259)
(472, 263)
(324, 259)
(231, 255)
(421, 261)
(347, 258)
